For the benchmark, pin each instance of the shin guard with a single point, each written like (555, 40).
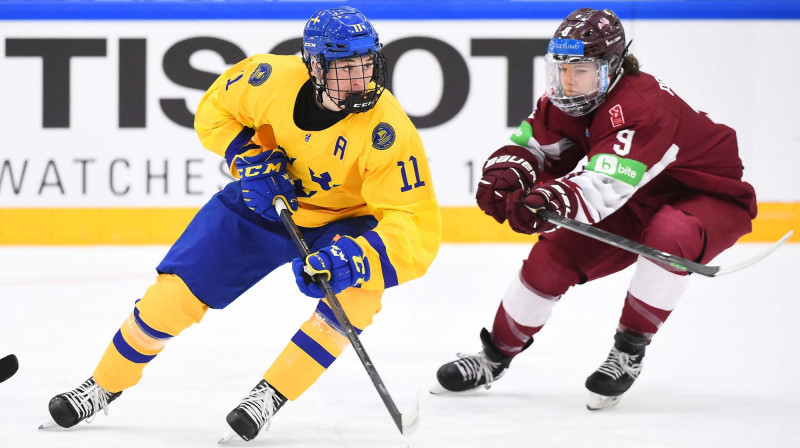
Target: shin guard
(319, 341)
(653, 294)
(167, 308)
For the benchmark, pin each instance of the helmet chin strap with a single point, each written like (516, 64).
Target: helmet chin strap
(321, 92)
(620, 70)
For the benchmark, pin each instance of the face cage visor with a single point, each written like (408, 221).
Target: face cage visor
(576, 85)
(355, 84)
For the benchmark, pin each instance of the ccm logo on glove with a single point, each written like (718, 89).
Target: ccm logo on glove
(256, 170)
(264, 179)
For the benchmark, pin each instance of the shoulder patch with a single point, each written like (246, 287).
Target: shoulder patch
(383, 136)
(260, 74)
(617, 118)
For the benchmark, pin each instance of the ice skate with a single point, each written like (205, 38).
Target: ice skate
(82, 403)
(617, 374)
(472, 371)
(253, 413)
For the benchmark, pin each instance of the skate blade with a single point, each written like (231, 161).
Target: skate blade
(228, 436)
(597, 401)
(437, 389)
(49, 424)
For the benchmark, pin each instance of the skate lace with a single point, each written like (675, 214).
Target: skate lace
(260, 404)
(475, 367)
(87, 399)
(619, 363)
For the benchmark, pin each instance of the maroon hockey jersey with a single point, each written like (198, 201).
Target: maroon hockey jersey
(645, 147)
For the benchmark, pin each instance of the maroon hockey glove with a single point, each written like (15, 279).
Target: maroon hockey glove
(510, 168)
(554, 196)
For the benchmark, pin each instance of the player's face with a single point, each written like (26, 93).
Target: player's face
(576, 84)
(578, 79)
(347, 76)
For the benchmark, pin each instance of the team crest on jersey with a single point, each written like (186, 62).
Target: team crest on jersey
(260, 74)
(383, 136)
(617, 119)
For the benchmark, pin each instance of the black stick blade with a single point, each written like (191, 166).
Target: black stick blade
(8, 367)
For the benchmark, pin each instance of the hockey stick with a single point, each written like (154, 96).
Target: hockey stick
(651, 253)
(405, 423)
(8, 367)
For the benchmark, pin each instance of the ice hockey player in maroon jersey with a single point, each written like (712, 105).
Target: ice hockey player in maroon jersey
(659, 172)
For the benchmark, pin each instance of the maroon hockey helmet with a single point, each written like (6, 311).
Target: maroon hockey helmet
(600, 31)
(596, 40)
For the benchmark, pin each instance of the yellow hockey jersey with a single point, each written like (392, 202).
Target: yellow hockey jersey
(371, 163)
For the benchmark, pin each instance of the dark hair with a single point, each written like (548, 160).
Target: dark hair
(630, 64)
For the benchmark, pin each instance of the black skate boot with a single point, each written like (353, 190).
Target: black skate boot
(618, 372)
(472, 371)
(255, 411)
(70, 408)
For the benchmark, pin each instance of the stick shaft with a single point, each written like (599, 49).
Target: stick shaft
(338, 311)
(629, 245)
(655, 254)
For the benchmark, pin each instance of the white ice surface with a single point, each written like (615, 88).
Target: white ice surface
(722, 372)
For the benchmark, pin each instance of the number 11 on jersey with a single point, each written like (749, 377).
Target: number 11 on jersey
(406, 186)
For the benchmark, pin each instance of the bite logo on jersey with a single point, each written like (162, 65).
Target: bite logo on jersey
(260, 74)
(617, 119)
(383, 136)
(620, 168)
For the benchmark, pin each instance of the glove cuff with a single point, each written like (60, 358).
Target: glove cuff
(355, 253)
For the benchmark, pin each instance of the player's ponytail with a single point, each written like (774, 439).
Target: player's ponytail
(630, 64)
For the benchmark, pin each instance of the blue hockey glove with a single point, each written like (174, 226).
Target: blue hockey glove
(265, 178)
(343, 264)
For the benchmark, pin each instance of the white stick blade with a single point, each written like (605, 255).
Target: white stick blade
(751, 261)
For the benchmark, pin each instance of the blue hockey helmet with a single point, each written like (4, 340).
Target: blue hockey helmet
(344, 33)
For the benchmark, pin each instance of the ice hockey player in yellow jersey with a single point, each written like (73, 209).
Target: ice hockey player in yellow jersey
(322, 133)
